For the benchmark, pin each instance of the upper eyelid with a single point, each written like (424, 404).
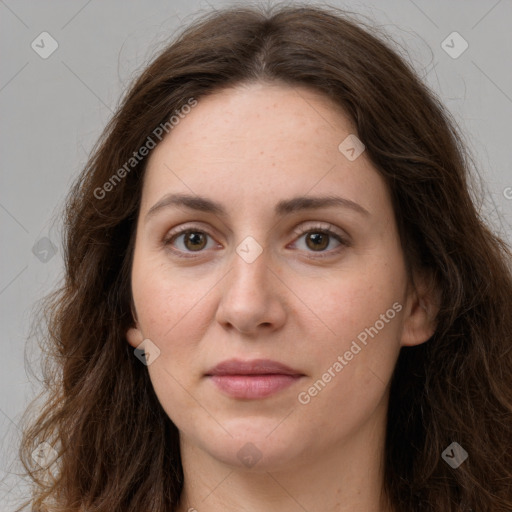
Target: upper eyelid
(317, 225)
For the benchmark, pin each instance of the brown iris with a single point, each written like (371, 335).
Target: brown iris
(196, 239)
(319, 240)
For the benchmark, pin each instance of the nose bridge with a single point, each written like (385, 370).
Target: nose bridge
(250, 297)
(250, 266)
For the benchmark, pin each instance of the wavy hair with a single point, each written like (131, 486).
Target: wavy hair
(117, 449)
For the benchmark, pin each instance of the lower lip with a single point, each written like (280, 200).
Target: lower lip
(253, 386)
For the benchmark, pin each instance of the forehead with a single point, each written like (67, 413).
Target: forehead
(275, 139)
(260, 116)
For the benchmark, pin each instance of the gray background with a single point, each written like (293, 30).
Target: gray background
(54, 109)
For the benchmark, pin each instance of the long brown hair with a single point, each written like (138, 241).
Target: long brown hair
(118, 450)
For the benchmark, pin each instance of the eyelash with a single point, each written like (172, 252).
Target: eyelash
(168, 240)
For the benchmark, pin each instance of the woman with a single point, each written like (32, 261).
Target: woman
(279, 293)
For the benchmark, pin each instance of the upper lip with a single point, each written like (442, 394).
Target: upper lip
(252, 367)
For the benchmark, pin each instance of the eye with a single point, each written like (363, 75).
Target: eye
(189, 240)
(318, 239)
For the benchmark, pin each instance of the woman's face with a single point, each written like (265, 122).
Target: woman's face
(270, 271)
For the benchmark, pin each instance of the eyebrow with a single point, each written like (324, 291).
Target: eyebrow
(284, 207)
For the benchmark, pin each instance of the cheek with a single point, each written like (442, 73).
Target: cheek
(174, 316)
(170, 315)
(355, 359)
(163, 295)
(355, 299)
(173, 312)
(352, 369)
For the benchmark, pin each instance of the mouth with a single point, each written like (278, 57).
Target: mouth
(254, 379)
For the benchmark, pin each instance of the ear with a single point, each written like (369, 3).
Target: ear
(134, 334)
(422, 307)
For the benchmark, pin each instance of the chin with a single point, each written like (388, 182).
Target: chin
(257, 445)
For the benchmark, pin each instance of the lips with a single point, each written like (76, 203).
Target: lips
(254, 379)
(254, 367)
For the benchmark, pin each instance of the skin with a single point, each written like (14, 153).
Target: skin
(248, 148)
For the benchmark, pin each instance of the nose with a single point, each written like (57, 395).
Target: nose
(253, 297)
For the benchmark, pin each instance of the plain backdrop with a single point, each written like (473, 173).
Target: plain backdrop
(53, 109)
